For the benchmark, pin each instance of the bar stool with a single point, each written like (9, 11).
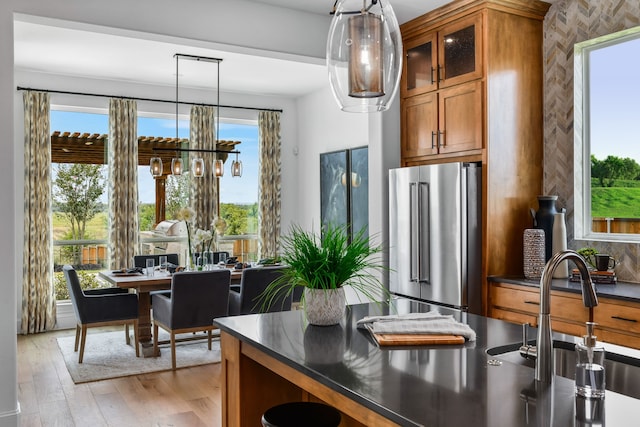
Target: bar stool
(295, 414)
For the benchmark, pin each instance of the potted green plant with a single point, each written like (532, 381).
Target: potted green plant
(323, 265)
(589, 255)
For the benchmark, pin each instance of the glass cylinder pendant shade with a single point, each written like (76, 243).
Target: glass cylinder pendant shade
(156, 166)
(218, 168)
(236, 168)
(197, 167)
(176, 166)
(364, 55)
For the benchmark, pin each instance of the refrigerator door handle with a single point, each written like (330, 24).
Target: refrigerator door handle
(423, 232)
(414, 232)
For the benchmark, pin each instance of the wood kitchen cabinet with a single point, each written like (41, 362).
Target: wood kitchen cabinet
(618, 322)
(480, 101)
(444, 122)
(443, 58)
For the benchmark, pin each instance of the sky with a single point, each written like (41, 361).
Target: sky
(615, 100)
(232, 189)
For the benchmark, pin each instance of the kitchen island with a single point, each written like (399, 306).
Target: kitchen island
(274, 358)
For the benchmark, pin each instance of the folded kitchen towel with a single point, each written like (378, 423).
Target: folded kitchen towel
(432, 323)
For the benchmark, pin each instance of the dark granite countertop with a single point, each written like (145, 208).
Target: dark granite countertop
(437, 386)
(621, 290)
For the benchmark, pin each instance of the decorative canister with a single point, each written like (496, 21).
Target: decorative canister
(560, 244)
(533, 253)
(544, 220)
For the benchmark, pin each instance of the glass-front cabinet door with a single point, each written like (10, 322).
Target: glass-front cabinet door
(443, 58)
(460, 51)
(420, 65)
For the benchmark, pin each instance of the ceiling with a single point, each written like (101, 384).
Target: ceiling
(405, 10)
(47, 48)
(72, 52)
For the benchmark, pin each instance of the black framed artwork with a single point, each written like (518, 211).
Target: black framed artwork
(344, 188)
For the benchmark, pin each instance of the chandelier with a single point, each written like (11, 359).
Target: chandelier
(197, 164)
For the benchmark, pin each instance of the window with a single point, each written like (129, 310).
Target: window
(239, 196)
(79, 205)
(82, 241)
(607, 154)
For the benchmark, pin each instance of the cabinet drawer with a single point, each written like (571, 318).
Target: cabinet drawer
(569, 309)
(619, 317)
(564, 327)
(613, 337)
(514, 317)
(515, 299)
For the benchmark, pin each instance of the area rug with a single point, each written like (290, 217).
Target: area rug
(106, 355)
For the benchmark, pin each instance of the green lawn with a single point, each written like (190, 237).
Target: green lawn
(615, 202)
(96, 228)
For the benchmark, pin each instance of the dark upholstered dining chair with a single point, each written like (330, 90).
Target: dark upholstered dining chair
(245, 298)
(100, 307)
(197, 297)
(141, 260)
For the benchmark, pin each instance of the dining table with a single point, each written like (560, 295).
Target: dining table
(143, 284)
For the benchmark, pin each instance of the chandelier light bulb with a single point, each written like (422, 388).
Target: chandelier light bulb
(156, 166)
(219, 168)
(176, 166)
(197, 167)
(236, 168)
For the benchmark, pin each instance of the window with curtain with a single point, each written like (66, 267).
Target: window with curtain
(239, 195)
(87, 247)
(79, 192)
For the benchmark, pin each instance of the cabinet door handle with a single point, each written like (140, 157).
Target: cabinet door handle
(624, 319)
(531, 302)
(440, 73)
(441, 138)
(433, 137)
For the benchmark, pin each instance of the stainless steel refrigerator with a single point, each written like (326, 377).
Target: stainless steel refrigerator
(435, 234)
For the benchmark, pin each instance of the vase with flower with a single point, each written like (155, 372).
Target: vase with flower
(203, 242)
(188, 215)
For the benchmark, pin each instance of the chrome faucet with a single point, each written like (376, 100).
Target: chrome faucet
(544, 344)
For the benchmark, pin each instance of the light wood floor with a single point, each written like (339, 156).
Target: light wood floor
(48, 396)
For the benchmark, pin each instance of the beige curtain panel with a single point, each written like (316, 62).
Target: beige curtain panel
(123, 182)
(38, 294)
(204, 190)
(269, 194)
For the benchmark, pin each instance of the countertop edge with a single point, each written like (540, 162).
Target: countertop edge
(624, 291)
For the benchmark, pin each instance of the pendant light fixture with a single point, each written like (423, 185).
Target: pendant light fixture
(176, 166)
(364, 55)
(218, 168)
(197, 164)
(236, 167)
(197, 167)
(156, 166)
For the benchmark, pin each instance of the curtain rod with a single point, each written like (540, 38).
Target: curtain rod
(64, 92)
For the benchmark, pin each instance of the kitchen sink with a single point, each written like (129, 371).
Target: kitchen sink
(622, 372)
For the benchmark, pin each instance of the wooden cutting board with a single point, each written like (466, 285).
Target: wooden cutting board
(417, 339)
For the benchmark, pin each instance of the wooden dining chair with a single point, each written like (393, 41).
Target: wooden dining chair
(197, 297)
(100, 307)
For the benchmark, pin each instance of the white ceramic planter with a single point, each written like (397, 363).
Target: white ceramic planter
(324, 307)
